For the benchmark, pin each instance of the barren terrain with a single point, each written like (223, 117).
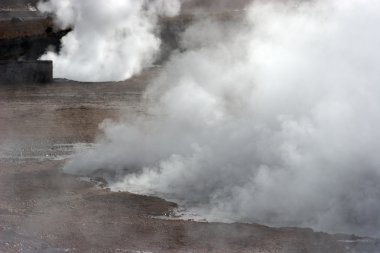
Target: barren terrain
(44, 210)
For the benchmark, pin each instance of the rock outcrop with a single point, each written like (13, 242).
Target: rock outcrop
(26, 35)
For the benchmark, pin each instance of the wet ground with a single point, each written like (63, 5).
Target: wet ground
(44, 210)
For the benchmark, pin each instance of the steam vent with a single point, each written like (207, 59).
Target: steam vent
(24, 36)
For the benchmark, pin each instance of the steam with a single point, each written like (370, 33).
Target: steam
(111, 40)
(272, 120)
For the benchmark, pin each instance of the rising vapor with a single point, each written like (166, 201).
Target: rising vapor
(273, 120)
(111, 40)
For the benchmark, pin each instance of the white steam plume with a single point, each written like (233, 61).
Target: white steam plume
(111, 40)
(275, 120)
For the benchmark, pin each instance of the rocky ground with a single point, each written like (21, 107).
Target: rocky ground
(44, 210)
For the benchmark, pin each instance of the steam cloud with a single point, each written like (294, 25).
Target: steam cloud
(273, 120)
(111, 40)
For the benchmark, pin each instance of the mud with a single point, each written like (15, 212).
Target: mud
(44, 210)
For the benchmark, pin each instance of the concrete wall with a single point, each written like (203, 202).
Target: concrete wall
(26, 72)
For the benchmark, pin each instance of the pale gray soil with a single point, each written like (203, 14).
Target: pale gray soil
(43, 210)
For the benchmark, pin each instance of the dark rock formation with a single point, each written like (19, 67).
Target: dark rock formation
(26, 35)
(17, 3)
(26, 72)
(30, 47)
